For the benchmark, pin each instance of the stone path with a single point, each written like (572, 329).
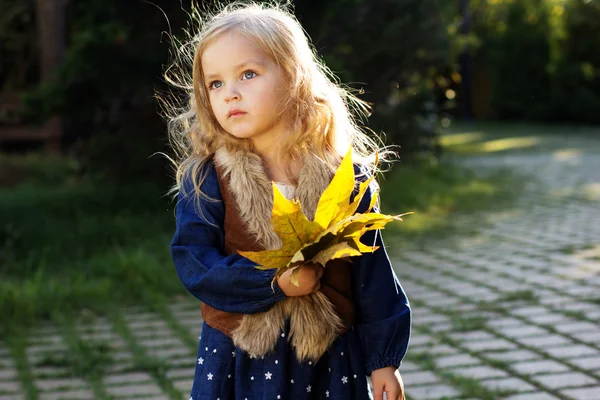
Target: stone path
(511, 313)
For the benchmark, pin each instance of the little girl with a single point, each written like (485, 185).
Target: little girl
(263, 109)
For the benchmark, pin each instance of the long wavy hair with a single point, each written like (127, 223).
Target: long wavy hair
(326, 114)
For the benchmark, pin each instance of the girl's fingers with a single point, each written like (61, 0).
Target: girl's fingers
(392, 395)
(378, 393)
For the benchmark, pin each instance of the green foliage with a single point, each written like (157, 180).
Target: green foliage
(115, 56)
(543, 56)
(577, 77)
(394, 51)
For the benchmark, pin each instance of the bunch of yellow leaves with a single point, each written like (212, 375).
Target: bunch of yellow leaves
(334, 233)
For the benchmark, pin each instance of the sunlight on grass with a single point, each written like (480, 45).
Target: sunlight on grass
(591, 191)
(567, 154)
(495, 146)
(460, 138)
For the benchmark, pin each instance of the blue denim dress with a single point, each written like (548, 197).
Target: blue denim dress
(379, 337)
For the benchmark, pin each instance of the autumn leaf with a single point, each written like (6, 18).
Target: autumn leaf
(335, 231)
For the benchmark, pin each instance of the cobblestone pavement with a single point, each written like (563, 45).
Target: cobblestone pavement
(511, 313)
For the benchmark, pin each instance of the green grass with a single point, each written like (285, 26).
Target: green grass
(76, 245)
(70, 244)
(527, 296)
(437, 191)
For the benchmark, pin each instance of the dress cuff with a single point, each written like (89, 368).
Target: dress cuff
(384, 362)
(273, 288)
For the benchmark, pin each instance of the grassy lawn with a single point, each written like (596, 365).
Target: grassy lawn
(82, 248)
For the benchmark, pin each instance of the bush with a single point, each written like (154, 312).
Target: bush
(577, 77)
(543, 56)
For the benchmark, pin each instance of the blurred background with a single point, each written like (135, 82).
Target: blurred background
(85, 224)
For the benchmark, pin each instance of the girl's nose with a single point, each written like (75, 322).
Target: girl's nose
(232, 94)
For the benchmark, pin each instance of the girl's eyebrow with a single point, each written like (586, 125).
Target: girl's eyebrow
(237, 67)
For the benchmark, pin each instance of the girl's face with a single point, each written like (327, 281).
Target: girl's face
(246, 89)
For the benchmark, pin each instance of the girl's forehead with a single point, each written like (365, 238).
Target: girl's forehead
(231, 49)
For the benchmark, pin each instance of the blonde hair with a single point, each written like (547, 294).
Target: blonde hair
(326, 114)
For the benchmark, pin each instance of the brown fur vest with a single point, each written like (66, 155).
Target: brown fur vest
(315, 319)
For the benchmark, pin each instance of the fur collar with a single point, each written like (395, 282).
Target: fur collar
(314, 324)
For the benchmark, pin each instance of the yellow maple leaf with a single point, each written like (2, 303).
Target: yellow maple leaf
(335, 231)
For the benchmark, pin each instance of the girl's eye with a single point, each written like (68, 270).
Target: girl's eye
(215, 85)
(249, 74)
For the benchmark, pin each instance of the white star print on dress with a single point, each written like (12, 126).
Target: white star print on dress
(345, 379)
(327, 393)
(215, 350)
(201, 361)
(233, 353)
(308, 389)
(209, 376)
(251, 378)
(268, 375)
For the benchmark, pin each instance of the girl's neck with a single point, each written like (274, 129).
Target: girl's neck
(278, 168)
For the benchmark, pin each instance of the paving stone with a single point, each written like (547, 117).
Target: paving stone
(522, 331)
(577, 326)
(480, 372)
(9, 386)
(589, 393)
(457, 360)
(6, 374)
(474, 336)
(180, 373)
(67, 395)
(408, 366)
(45, 372)
(515, 355)
(432, 392)
(548, 318)
(537, 367)
(532, 396)
(133, 377)
(184, 386)
(144, 327)
(60, 383)
(162, 342)
(130, 390)
(588, 337)
(420, 339)
(502, 322)
(563, 380)
(496, 344)
(442, 349)
(543, 342)
(572, 351)
(526, 311)
(417, 378)
(590, 363)
(171, 352)
(508, 384)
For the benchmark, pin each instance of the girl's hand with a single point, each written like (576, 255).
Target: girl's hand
(309, 280)
(387, 380)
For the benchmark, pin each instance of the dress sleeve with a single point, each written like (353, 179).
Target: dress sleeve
(228, 283)
(383, 315)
